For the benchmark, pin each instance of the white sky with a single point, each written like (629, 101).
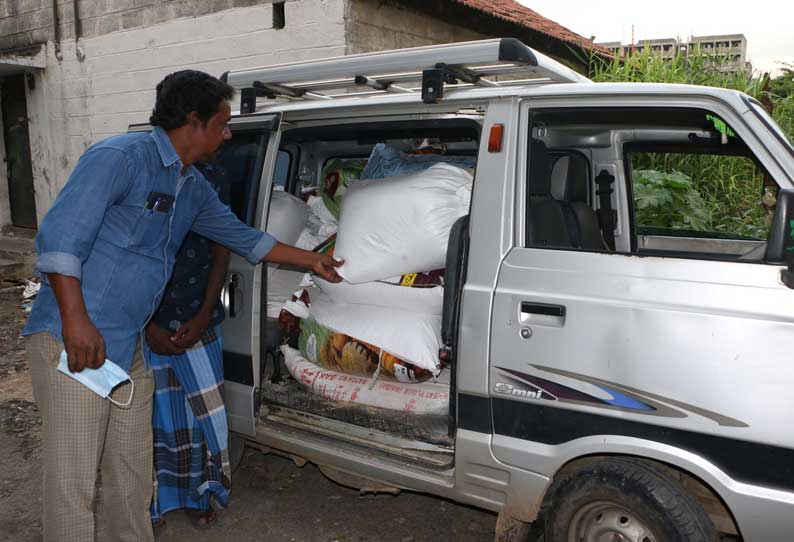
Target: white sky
(768, 25)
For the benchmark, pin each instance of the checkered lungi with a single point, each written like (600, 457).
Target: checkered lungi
(191, 458)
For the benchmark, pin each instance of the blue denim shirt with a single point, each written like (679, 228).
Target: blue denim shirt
(100, 231)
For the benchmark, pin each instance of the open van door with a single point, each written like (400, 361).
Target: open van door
(246, 163)
(243, 169)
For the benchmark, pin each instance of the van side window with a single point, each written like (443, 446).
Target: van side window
(690, 193)
(237, 170)
(559, 201)
(694, 188)
(282, 173)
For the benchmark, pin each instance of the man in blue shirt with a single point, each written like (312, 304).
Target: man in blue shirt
(106, 250)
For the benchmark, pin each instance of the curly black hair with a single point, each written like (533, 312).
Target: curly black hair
(185, 91)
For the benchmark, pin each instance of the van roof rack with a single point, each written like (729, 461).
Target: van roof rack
(473, 63)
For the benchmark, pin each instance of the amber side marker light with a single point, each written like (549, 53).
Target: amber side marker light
(495, 138)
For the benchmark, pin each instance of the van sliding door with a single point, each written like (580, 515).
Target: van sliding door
(245, 165)
(243, 171)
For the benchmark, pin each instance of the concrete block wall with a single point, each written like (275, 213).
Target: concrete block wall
(377, 25)
(29, 22)
(106, 82)
(103, 17)
(24, 23)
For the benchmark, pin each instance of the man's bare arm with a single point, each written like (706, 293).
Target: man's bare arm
(82, 341)
(322, 264)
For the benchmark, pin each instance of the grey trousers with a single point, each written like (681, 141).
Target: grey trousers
(84, 435)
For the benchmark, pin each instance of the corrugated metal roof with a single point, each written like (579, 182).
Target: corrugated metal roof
(512, 11)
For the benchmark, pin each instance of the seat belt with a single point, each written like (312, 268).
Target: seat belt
(607, 216)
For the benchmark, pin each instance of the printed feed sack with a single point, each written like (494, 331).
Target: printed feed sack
(425, 398)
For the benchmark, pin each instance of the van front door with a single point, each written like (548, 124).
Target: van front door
(675, 344)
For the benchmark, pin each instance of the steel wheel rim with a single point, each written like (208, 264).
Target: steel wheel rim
(605, 521)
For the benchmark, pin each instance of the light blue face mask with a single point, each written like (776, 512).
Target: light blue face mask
(101, 381)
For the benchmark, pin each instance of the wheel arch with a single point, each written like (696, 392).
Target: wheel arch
(708, 497)
(712, 484)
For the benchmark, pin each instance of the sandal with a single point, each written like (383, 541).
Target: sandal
(158, 526)
(203, 519)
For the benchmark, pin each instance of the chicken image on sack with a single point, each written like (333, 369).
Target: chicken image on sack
(364, 340)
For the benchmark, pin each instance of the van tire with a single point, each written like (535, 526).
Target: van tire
(626, 496)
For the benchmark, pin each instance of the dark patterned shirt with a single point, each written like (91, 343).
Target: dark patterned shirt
(184, 294)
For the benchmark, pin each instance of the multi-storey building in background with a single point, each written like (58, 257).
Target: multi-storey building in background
(730, 49)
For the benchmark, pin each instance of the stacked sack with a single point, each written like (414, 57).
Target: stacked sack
(393, 230)
(310, 225)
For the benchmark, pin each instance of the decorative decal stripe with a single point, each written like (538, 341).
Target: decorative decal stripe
(663, 405)
(554, 391)
(604, 394)
(624, 401)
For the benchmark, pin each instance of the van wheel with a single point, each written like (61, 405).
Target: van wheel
(624, 500)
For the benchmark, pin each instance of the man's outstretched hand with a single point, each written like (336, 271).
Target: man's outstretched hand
(322, 264)
(325, 266)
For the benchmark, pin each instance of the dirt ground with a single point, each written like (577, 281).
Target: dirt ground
(272, 499)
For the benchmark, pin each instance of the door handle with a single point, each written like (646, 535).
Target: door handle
(233, 286)
(544, 309)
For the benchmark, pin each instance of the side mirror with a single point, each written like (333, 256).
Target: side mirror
(780, 247)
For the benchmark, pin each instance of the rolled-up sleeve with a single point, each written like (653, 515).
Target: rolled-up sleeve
(218, 223)
(70, 227)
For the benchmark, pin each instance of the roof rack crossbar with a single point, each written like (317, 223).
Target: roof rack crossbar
(386, 86)
(273, 90)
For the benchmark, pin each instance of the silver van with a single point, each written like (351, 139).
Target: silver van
(617, 372)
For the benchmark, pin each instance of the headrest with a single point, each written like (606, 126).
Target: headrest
(570, 178)
(539, 169)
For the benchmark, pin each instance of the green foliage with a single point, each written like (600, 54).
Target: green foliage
(696, 68)
(783, 85)
(669, 200)
(700, 68)
(783, 113)
(727, 193)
